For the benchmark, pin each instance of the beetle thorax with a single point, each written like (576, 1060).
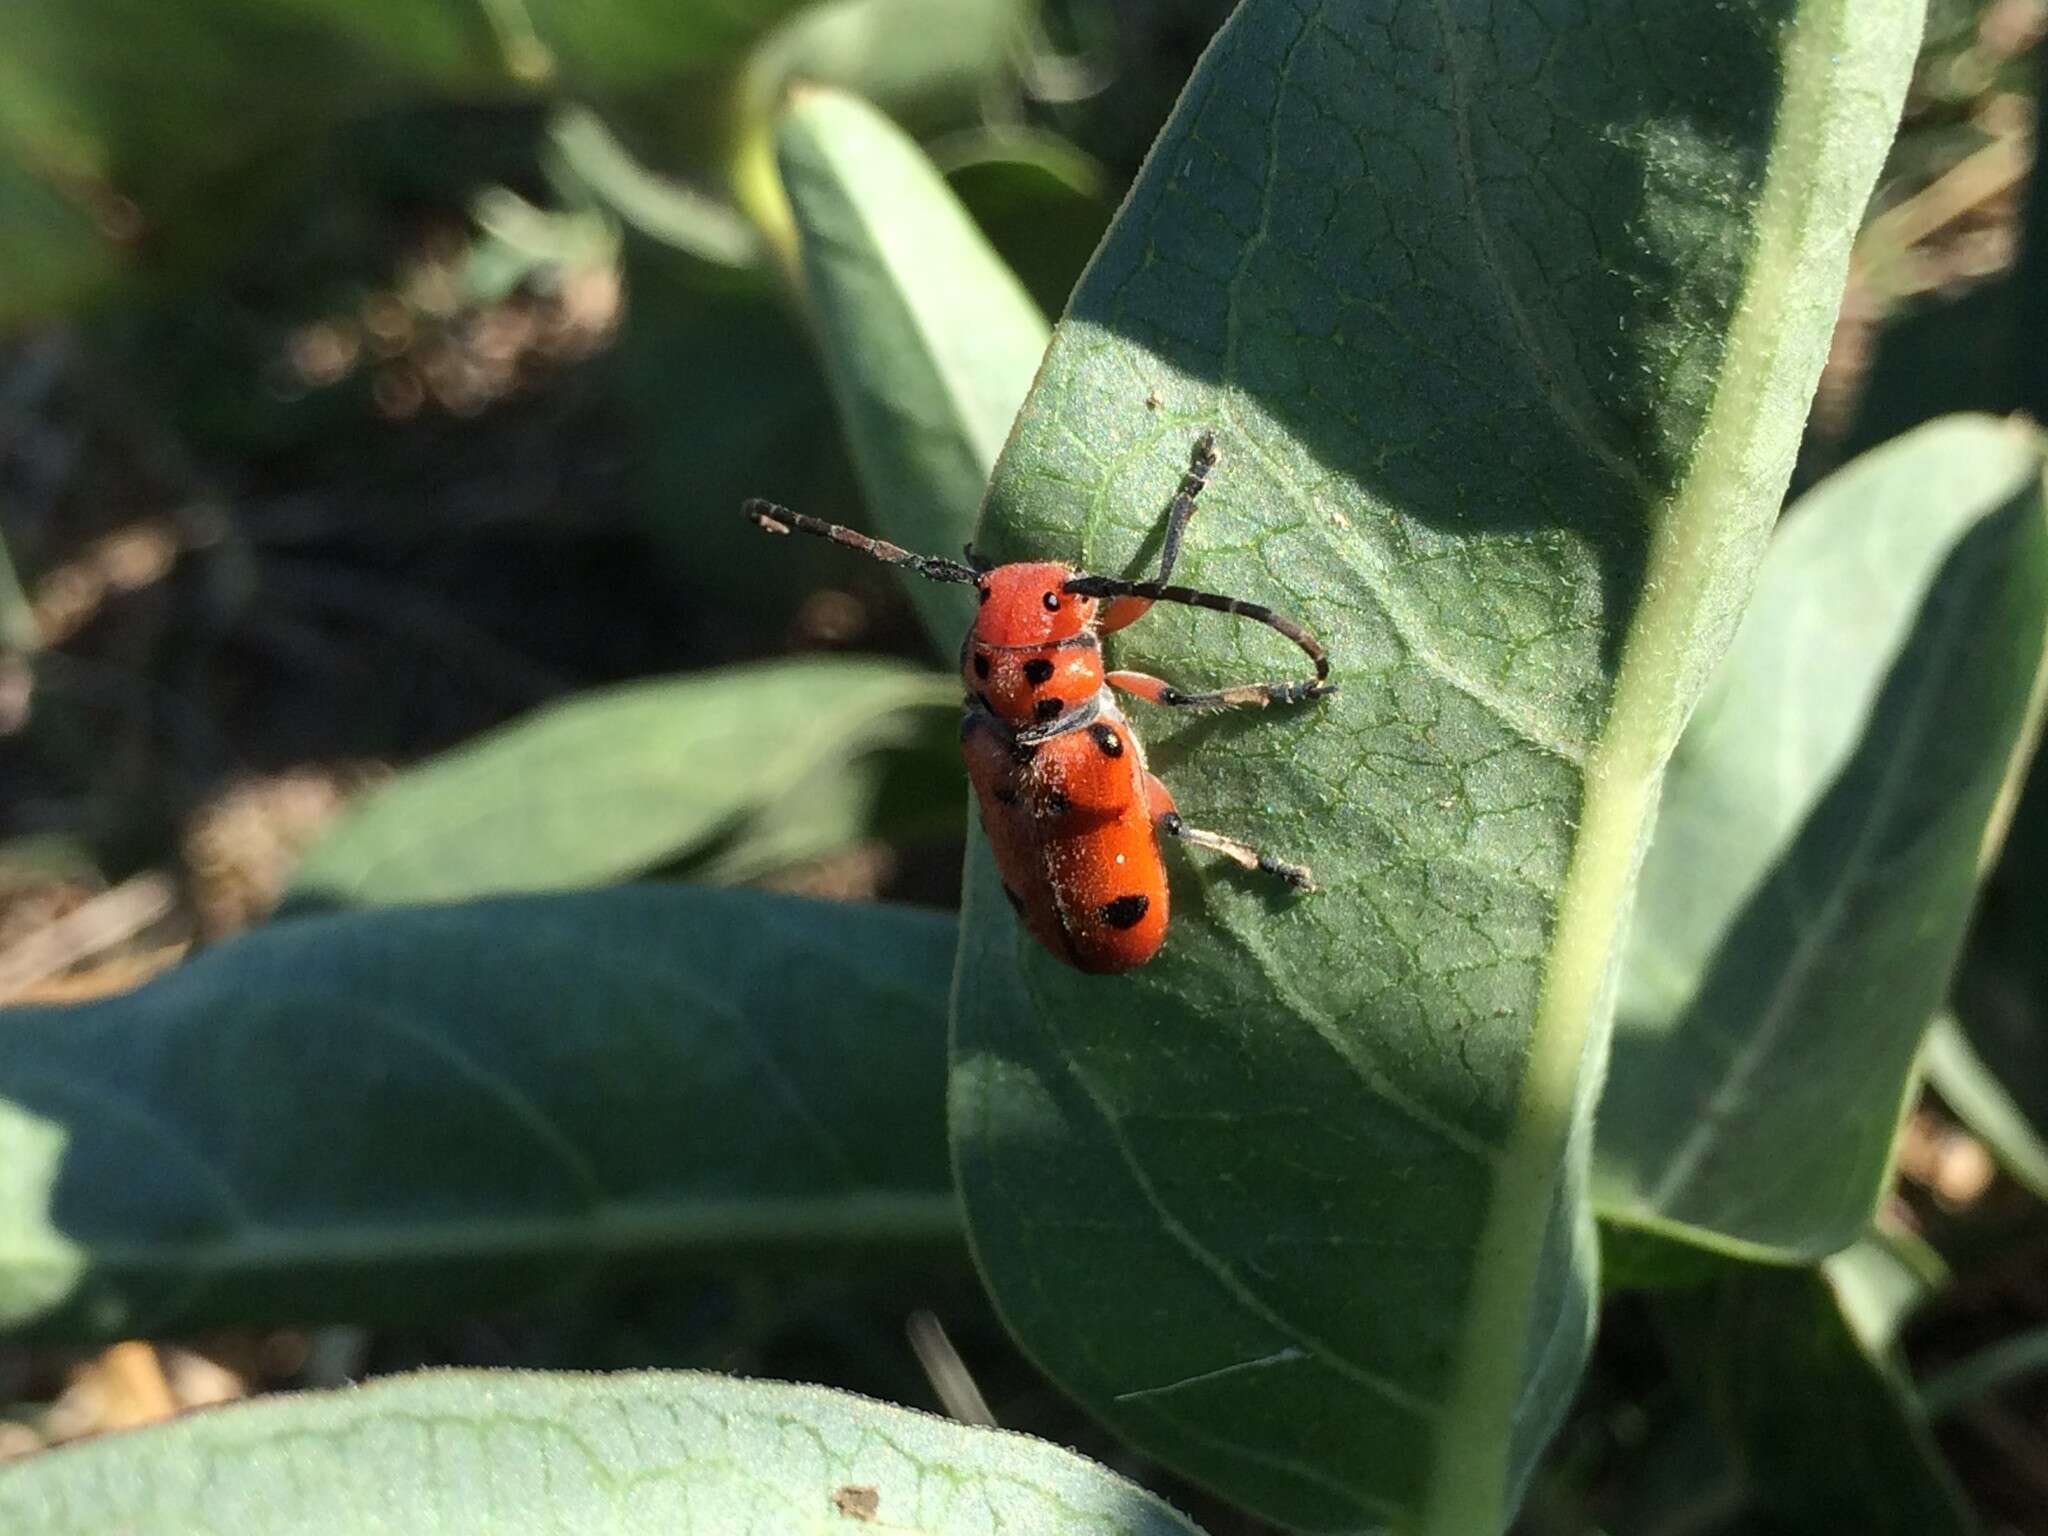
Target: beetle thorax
(1032, 654)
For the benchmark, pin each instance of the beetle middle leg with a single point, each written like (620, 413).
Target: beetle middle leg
(1159, 801)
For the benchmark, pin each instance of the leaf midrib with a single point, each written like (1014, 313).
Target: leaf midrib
(623, 1227)
(1466, 1491)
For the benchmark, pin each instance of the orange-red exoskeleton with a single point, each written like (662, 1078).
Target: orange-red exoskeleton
(1071, 812)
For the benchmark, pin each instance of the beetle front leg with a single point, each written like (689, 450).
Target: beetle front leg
(1120, 611)
(1156, 690)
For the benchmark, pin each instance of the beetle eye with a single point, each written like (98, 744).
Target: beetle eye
(1052, 602)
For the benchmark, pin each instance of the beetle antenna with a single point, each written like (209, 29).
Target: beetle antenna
(770, 518)
(1160, 592)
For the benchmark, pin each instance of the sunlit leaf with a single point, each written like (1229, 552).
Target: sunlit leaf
(621, 780)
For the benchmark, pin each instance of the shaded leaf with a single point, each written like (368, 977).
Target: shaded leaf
(1506, 317)
(929, 340)
(426, 1112)
(1818, 850)
(621, 780)
(1991, 1369)
(474, 1451)
(1041, 201)
(1826, 1430)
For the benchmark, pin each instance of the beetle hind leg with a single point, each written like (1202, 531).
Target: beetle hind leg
(1159, 801)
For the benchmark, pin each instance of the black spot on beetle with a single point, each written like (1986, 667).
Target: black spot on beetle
(1125, 911)
(1016, 901)
(1037, 671)
(1106, 738)
(981, 663)
(1049, 709)
(1051, 601)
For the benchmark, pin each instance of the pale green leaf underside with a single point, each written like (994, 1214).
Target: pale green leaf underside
(929, 341)
(1506, 316)
(492, 1453)
(743, 768)
(1817, 852)
(422, 1112)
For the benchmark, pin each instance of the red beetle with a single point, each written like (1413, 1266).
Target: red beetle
(1071, 812)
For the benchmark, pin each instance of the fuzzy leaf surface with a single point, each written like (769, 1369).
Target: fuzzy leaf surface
(473, 1453)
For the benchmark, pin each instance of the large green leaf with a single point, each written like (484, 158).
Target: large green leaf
(1817, 854)
(929, 340)
(641, 1455)
(748, 767)
(1506, 316)
(428, 1111)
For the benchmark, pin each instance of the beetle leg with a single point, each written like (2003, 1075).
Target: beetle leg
(1120, 611)
(1159, 801)
(1158, 691)
(1158, 798)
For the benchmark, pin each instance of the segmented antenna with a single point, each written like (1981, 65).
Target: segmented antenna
(770, 518)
